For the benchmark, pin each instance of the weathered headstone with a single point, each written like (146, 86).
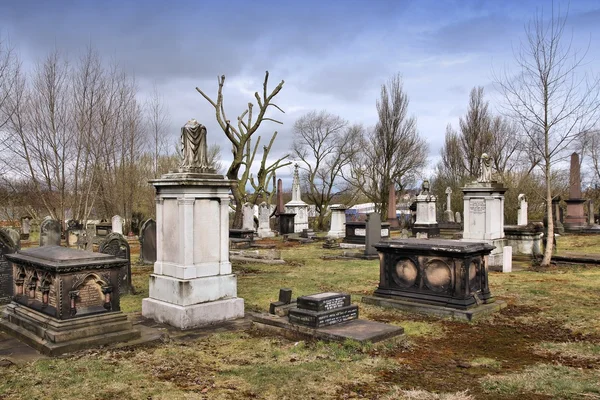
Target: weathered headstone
(522, 211)
(426, 213)
(7, 246)
(50, 232)
(392, 218)
(25, 228)
(148, 242)
(248, 216)
(507, 259)
(457, 217)
(557, 215)
(591, 220)
(575, 218)
(372, 234)
(264, 225)
(115, 244)
(117, 224)
(297, 206)
(338, 222)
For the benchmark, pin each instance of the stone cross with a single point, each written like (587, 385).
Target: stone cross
(522, 211)
(448, 198)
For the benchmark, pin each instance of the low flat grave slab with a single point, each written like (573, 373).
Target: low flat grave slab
(472, 314)
(358, 329)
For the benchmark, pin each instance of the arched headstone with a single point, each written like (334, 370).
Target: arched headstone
(50, 232)
(7, 246)
(148, 242)
(116, 245)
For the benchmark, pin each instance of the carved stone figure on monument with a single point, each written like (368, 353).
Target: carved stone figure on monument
(486, 168)
(193, 147)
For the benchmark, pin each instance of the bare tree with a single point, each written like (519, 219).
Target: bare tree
(393, 152)
(157, 120)
(325, 145)
(550, 98)
(240, 138)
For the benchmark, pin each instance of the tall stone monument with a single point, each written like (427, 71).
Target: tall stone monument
(522, 210)
(575, 218)
(297, 206)
(484, 211)
(192, 284)
(392, 218)
(426, 223)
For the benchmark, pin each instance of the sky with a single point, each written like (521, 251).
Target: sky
(332, 55)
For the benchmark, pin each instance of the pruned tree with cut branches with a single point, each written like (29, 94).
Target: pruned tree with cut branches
(550, 96)
(240, 135)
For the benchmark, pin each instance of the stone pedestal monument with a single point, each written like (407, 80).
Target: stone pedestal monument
(426, 225)
(484, 211)
(192, 284)
(297, 206)
(338, 222)
(575, 218)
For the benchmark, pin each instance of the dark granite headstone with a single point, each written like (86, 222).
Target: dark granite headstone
(373, 233)
(50, 233)
(286, 223)
(323, 309)
(7, 246)
(285, 298)
(115, 244)
(148, 242)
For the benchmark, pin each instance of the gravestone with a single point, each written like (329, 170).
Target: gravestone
(484, 211)
(15, 236)
(522, 211)
(392, 218)
(575, 218)
(557, 215)
(507, 259)
(115, 244)
(426, 223)
(248, 217)
(148, 242)
(50, 232)
(7, 246)
(372, 234)
(117, 224)
(338, 222)
(449, 216)
(25, 228)
(297, 206)
(457, 217)
(192, 284)
(264, 225)
(591, 220)
(323, 309)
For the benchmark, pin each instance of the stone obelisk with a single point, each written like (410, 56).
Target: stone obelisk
(575, 218)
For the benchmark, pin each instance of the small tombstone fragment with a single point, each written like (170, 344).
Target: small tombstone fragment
(285, 299)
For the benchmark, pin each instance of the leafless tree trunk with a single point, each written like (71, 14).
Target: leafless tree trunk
(384, 160)
(550, 98)
(324, 144)
(157, 120)
(240, 138)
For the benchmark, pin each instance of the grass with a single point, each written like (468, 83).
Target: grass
(546, 343)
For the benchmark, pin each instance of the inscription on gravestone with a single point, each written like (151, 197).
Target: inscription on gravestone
(477, 205)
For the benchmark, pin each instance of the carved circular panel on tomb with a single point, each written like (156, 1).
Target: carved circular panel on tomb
(437, 276)
(405, 273)
(474, 281)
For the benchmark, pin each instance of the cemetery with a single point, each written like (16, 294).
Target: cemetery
(359, 258)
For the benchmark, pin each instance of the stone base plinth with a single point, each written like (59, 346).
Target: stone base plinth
(265, 233)
(187, 292)
(432, 230)
(53, 337)
(193, 316)
(470, 314)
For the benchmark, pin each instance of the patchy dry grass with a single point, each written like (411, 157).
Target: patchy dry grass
(546, 344)
(583, 244)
